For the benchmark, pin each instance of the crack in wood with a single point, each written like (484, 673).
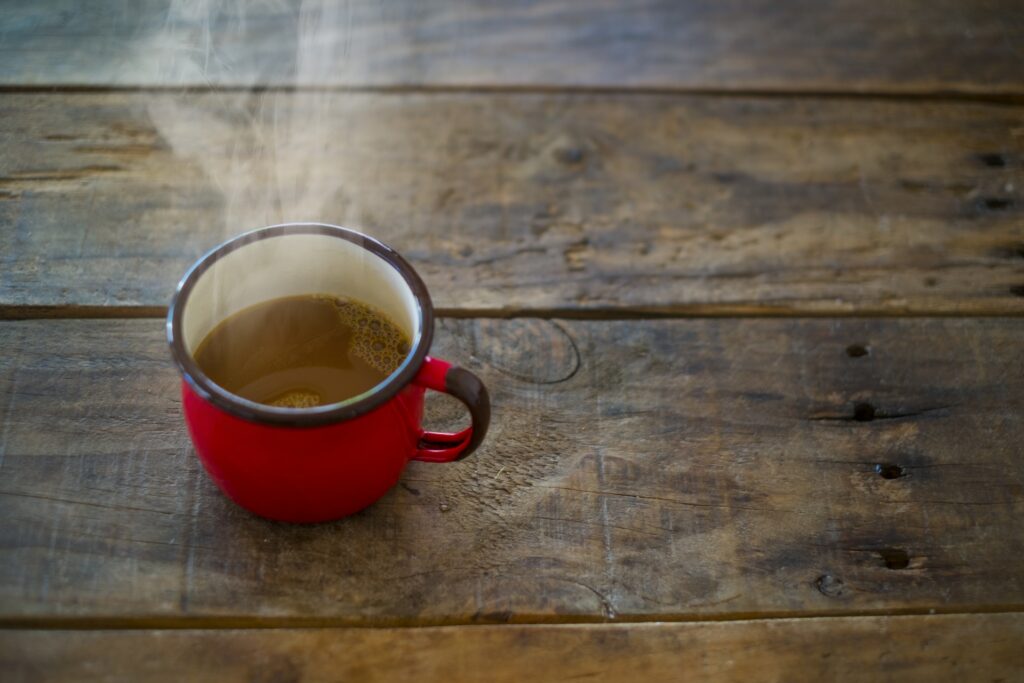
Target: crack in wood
(673, 501)
(876, 414)
(21, 177)
(86, 503)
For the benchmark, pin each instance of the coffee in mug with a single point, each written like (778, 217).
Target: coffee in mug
(303, 351)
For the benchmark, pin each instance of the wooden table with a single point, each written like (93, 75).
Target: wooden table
(746, 281)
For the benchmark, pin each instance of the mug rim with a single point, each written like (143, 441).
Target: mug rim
(352, 407)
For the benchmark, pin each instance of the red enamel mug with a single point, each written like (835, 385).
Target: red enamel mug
(321, 463)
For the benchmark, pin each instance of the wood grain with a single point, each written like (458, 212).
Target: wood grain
(508, 203)
(838, 45)
(876, 649)
(635, 470)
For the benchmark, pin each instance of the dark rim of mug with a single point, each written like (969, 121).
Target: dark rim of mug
(300, 417)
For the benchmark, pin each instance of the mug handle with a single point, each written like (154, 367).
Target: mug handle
(450, 379)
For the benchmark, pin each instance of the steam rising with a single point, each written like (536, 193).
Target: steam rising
(275, 154)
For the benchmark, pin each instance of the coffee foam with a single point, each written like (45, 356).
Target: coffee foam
(297, 399)
(376, 340)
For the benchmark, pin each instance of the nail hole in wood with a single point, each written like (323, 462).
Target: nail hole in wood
(830, 586)
(890, 471)
(995, 203)
(1017, 290)
(992, 159)
(1010, 251)
(569, 155)
(931, 281)
(857, 350)
(895, 558)
(863, 412)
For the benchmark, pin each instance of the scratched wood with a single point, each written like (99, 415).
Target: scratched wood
(838, 45)
(511, 202)
(876, 649)
(635, 470)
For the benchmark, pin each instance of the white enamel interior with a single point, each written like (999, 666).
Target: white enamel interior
(294, 264)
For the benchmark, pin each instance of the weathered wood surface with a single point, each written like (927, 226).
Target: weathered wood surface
(838, 45)
(635, 470)
(876, 649)
(511, 202)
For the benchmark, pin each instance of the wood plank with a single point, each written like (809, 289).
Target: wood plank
(635, 470)
(839, 45)
(876, 649)
(530, 202)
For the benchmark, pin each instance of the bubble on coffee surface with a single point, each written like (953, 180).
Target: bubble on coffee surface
(377, 341)
(298, 398)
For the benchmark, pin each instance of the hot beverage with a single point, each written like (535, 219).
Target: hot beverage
(302, 351)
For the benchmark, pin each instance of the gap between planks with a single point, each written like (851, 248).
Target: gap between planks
(952, 95)
(696, 311)
(56, 623)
